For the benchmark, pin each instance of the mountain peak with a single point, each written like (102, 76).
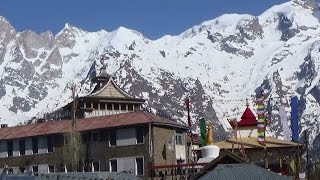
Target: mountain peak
(5, 22)
(309, 4)
(3, 19)
(123, 31)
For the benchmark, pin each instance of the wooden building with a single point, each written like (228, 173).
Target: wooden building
(115, 136)
(107, 98)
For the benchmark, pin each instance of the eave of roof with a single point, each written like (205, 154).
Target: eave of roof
(252, 142)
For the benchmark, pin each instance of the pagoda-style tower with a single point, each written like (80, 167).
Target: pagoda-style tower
(247, 126)
(107, 98)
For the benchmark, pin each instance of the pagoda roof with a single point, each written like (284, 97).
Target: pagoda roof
(247, 118)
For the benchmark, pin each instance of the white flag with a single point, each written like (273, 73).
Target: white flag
(284, 123)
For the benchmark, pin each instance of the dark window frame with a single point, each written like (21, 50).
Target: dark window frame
(35, 170)
(102, 106)
(94, 167)
(179, 138)
(113, 138)
(139, 135)
(86, 137)
(22, 147)
(139, 162)
(50, 145)
(95, 136)
(10, 148)
(35, 148)
(113, 165)
(51, 168)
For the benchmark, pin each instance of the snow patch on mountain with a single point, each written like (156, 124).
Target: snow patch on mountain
(218, 64)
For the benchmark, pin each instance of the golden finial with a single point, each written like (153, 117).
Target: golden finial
(210, 134)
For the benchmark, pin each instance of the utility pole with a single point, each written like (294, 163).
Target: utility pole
(74, 148)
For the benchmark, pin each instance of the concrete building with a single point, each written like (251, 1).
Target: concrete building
(115, 135)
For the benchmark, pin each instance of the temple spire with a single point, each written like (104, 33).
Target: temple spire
(210, 134)
(103, 77)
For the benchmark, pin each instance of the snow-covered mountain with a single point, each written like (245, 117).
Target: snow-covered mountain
(218, 64)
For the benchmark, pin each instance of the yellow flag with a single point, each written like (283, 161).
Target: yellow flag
(293, 166)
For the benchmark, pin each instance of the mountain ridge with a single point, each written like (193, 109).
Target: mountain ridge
(218, 64)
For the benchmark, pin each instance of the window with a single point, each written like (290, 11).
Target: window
(179, 139)
(96, 166)
(95, 105)
(139, 166)
(10, 148)
(88, 105)
(66, 139)
(103, 135)
(113, 165)
(22, 147)
(102, 106)
(116, 106)
(51, 168)
(109, 106)
(113, 139)
(10, 171)
(22, 169)
(35, 170)
(139, 135)
(62, 168)
(126, 136)
(130, 107)
(50, 143)
(123, 107)
(35, 145)
(86, 137)
(95, 136)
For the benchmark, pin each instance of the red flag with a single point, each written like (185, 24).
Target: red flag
(187, 102)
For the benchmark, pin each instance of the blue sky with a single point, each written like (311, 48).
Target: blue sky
(153, 18)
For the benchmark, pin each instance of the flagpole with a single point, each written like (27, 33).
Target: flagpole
(187, 103)
(307, 139)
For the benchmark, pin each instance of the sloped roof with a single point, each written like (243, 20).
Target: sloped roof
(225, 157)
(252, 142)
(247, 118)
(63, 126)
(111, 84)
(241, 172)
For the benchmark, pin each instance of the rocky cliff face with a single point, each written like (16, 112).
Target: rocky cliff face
(218, 64)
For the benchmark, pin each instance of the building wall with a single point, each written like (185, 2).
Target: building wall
(164, 146)
(181, 152)
(125, 152)
(247, 132)
(99, 151)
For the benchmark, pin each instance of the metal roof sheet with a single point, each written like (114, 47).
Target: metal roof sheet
(241, 172)
(63, 126)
